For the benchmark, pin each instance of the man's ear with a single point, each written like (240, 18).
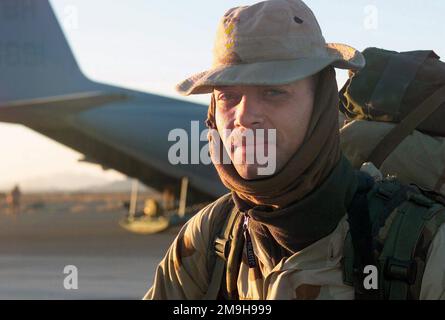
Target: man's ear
(315, 80)
(210, 121)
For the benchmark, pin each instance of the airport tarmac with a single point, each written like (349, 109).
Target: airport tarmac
(36, 245)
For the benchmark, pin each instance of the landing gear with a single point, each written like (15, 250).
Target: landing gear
(157, 218)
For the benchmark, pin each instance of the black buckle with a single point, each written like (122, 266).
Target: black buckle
(384, 193)
(222, 248)
(402, 270)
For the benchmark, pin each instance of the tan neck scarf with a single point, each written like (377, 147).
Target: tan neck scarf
(307, 168)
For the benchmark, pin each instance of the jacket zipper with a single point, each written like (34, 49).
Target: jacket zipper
(249, 247)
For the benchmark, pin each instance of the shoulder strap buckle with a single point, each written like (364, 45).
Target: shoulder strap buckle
(402, 270)
(387, 189)
(420, 199)
(222, 247)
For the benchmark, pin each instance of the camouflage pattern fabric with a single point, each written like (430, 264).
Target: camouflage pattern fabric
(312, 273)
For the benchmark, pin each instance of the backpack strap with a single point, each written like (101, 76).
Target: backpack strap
(406, 127)
(234, 259)
(358, 249)
(403, 258)
(382, 199)
(222, 248)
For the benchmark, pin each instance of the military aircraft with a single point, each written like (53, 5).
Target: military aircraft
(43, 88)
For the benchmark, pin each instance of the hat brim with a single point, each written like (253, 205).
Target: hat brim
(272, 72)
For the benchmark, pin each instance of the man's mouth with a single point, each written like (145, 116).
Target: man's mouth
(251, 143)
(259, 148)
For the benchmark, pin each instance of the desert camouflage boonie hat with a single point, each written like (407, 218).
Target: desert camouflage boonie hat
(270, 43)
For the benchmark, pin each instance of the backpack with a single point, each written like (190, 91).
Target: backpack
(391, 224)
(419, 158)
(397, 105)
(393, 87)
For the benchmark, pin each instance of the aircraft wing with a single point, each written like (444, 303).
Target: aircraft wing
(42, 87)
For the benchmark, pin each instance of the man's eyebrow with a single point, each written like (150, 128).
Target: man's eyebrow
(223, 88)
(280, 86)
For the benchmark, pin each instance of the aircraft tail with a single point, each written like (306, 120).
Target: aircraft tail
(35, 58)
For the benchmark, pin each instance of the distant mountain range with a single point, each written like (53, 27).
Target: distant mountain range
(71, 182)
(118, 186)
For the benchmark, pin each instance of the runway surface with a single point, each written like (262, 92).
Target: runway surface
(36, 245)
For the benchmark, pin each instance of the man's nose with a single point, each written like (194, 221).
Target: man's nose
(249, 113)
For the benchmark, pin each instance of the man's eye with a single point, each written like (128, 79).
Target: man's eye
(274, 92)
(227, 96)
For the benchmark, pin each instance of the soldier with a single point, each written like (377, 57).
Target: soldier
(168, 199)
(282, 236)
(13, 200)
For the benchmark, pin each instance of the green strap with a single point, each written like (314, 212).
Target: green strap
(220, 262)
(215, 283)
(382, 200)
(397, 265)
(435, 218)
(234, 259)
(348, 260)
(400, 272)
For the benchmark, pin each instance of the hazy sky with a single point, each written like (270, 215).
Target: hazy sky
(151, 45)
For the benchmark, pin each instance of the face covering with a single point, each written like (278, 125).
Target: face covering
(304, 201)
(306, 169)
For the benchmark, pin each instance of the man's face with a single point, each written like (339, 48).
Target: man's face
(243, 109)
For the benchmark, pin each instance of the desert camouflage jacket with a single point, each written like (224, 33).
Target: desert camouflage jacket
(312, 273)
